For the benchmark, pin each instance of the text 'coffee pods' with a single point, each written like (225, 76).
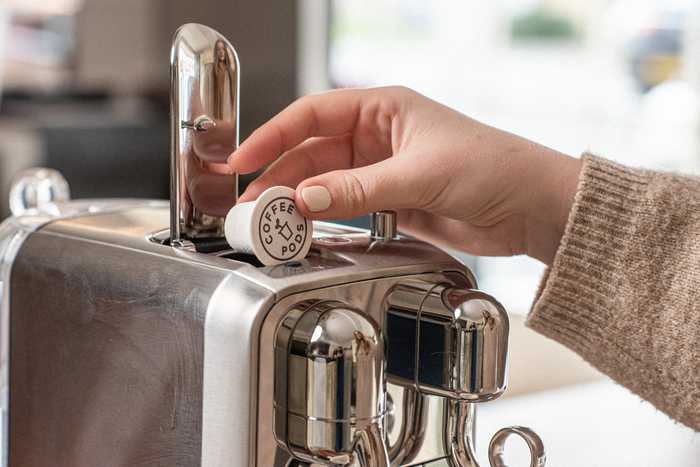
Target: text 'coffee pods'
(270, 227)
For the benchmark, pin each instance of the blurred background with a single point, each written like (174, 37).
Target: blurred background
(615, 77)
(85, 90)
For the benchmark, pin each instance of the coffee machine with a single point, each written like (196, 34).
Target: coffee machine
(133, 335)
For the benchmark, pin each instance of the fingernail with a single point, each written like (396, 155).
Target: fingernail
(316, 198)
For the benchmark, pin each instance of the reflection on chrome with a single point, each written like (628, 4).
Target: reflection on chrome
(446, 349)
(329, 388)
(204, 120)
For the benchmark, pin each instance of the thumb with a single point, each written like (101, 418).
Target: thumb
(343, 194)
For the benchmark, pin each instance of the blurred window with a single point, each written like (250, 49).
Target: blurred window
(37, 53)
(619, 78)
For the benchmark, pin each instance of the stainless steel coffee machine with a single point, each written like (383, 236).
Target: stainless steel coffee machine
(132, 335)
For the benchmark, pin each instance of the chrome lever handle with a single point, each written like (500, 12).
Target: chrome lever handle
(204, 111)
(538, 456)
(460, 425)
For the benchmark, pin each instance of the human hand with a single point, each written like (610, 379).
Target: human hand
(454, 181)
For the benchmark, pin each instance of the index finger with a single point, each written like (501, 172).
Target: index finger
(333, 113)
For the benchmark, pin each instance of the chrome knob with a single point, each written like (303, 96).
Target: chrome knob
(476, 369)
(329, 386)
(458, 336)
(32, 188)
(383, 225)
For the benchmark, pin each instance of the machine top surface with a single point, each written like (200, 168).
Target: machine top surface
(339, 254)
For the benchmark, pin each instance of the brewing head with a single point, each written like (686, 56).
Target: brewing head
(334, 388)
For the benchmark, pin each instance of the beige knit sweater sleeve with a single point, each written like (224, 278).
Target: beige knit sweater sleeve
(624, 288)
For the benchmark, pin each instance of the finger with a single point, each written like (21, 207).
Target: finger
(343, 194)
(313, 157)
(329, 114)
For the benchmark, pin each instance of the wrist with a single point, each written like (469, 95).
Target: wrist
(557, 181)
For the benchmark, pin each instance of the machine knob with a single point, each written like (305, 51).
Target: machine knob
(383, 225)
(479, 347)
(32, 188)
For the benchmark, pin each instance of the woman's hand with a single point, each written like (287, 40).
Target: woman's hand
(453, 180)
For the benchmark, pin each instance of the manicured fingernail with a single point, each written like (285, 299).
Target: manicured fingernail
(316, 198)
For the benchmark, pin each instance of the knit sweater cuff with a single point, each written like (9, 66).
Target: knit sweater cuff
(573, 302)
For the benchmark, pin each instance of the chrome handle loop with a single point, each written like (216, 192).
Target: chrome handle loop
(538, 457)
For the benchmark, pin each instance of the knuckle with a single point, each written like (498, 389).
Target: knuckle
(268, 179)
(355, 191)
(400, 91)
(301, 102)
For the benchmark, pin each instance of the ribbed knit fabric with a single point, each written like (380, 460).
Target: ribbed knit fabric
(624, 287)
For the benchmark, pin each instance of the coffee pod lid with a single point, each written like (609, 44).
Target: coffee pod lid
(277, 232)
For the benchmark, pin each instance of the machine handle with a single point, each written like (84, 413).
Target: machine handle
(538, 457)
(204, 111)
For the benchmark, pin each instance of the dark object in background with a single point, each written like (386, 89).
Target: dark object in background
(105, 147)
(111, 161)
(85, 133)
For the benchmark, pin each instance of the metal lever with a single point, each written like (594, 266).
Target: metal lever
(204, 111)
(459, 341)
(458, 338)
(483, 342)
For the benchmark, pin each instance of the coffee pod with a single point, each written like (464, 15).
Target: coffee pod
(270, 227)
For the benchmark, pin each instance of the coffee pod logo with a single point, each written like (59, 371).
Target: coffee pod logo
(282, 230)
(270, 227)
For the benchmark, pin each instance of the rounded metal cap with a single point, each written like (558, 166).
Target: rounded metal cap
(330, 387)
(32, 188)
(481, 325)
(383, 225)
(462, 344)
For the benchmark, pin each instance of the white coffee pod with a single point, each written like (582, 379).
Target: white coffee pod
(270, 227)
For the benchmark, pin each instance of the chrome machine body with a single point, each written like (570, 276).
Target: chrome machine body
(132, 335)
